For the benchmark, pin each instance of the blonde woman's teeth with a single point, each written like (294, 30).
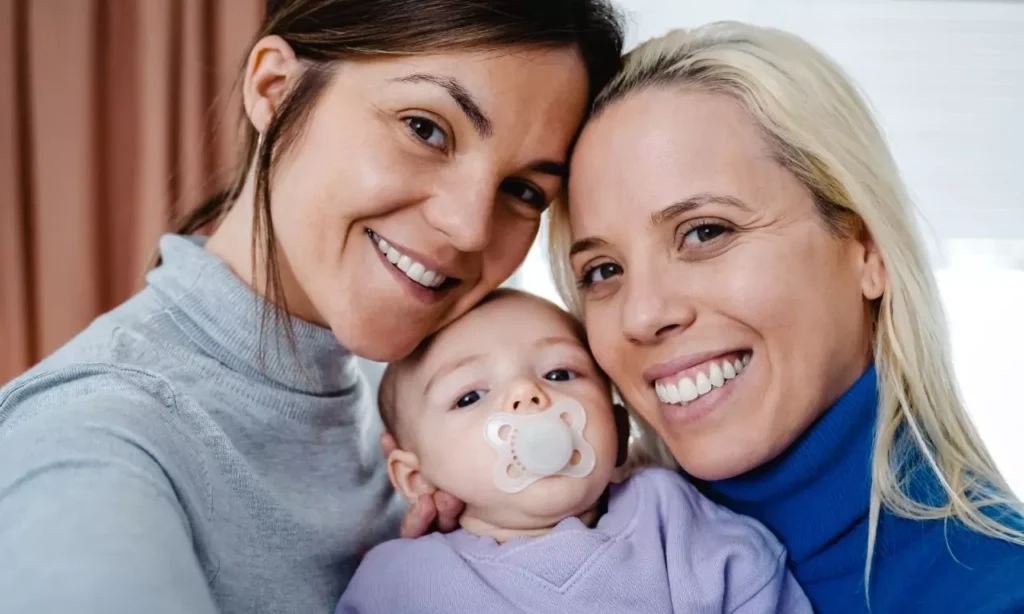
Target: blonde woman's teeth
(412, 269)
(709, 376)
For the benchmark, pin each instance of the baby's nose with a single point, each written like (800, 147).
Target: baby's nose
(527, 397)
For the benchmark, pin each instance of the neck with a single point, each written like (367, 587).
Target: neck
(818, 489)
(474, 523)
(232, 242)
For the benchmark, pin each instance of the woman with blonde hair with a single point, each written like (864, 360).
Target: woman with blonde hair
(744, 255)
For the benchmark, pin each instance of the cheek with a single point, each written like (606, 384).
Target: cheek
(455, 456)
(604, 335)
(797, 295)
(511, 238)
(602, 434)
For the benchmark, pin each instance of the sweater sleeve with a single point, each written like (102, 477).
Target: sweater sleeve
(401, 575)
(89, 519)
(780, 594)
(717, 559)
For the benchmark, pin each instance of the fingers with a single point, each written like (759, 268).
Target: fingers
(448, 511)
(388, 443)
(418, 519)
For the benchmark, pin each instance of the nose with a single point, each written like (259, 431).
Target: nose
(655, 306)
(465, 212)
(526, 396)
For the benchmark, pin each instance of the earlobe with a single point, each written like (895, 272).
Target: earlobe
(404, 473)
(269, 73)
(873, 277)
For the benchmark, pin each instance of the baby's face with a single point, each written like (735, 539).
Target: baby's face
(512, 349)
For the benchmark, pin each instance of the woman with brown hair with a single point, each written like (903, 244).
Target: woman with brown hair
(203, 447)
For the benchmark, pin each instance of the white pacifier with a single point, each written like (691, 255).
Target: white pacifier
(532, 446)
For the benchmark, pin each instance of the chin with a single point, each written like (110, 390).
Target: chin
(559, 497)
(382, 349)
(711, 464)
(379, 344)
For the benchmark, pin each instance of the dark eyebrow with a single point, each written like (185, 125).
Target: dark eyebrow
(460, 95)
(695, 202)
(550, 167)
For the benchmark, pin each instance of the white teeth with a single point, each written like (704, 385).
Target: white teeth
(716, 376)
(413, 270)
(668, 393)
(672, 393)
(703, 384)
(416, 272)
(687, 389)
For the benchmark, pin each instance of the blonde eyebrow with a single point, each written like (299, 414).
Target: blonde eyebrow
(695, 202)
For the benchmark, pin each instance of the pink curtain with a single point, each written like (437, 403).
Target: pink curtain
(115, 117)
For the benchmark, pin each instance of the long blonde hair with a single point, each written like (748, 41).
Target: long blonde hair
(820, 129)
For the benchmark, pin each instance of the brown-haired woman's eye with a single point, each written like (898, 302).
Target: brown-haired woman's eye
(428, 131)
(526, 192)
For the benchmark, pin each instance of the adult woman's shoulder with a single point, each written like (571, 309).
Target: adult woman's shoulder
(96, 489)
(945, 566)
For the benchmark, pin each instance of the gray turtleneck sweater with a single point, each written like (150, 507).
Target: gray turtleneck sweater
(166, 460)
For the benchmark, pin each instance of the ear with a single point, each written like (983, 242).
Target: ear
(622, 429)
(873, 277)
(404, 473)
(269, 72)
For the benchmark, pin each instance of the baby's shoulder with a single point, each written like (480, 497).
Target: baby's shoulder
(677, 502)
(397, 575)
(402, 555)
(666, 488)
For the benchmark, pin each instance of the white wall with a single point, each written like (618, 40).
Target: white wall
(946, 80)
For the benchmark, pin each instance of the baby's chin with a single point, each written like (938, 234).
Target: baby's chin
(545, 503)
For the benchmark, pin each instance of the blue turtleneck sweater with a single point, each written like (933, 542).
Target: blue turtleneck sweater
(815, 497)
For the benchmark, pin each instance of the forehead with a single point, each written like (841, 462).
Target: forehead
(508, 323)
(517, 88)
(664, 144)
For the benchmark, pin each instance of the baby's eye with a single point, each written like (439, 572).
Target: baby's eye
(469, 398)
(560, 375)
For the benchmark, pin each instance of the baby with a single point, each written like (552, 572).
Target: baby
(506, 409)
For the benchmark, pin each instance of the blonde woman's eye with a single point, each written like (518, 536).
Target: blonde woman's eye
(598, 273)
(704, 233)
(428, 132)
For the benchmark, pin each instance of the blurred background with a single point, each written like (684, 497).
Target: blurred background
(116, 115)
